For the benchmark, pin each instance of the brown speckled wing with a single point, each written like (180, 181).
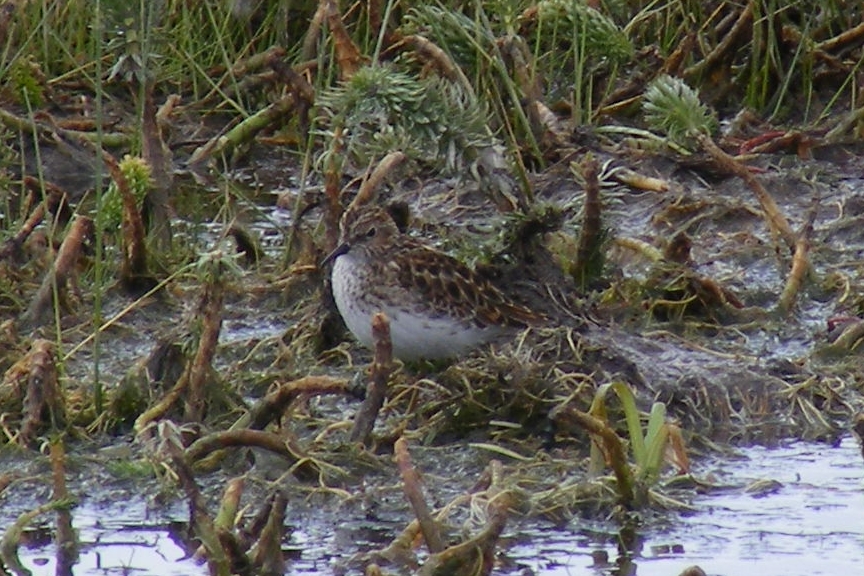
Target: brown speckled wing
(451, 287)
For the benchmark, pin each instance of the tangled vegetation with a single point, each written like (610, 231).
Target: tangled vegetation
(532, 126)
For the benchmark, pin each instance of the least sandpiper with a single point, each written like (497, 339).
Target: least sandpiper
(437, 306)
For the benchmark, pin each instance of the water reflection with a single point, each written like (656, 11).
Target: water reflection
(810, 524)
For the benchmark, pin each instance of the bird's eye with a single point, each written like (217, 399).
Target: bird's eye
(371, 232)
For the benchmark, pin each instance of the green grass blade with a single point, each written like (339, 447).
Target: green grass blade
(655, 442)
(631, 414)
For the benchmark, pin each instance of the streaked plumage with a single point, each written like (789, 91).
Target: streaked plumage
(437, 306)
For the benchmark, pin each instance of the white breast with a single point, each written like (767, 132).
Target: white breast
(414, 331)
(348, 293)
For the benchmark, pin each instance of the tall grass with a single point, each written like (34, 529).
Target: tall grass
(572, 53)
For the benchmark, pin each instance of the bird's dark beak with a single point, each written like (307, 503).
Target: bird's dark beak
(341, 249)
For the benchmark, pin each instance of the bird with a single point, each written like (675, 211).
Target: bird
(437, 306)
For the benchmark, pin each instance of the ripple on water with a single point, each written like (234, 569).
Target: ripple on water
(811, 525)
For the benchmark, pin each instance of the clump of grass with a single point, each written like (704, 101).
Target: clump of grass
(381, 109)
(465, 40)
(576, 46)
(475, 44)
(648, 449)
(583, 28)
(177, 42)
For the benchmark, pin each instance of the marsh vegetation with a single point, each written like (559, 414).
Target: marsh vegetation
(675, 186)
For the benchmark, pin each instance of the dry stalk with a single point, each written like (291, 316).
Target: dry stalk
(414, 493)
(473, 556)
(61, 271)
(851, 336)
(267, 556)
(7, 478)
(303, 92)
(135, 248)
(210, 317)
(56, 197)
(777, 223)
(43, 396)
(676, 451)
(375, 14)
(256, 526)
(401, 550)
(800, 268)
(382, 367)
(853, 36)
(58, 201)
(235, 552)
(476, 556)
(244, 131)
(311, 39)
(544, 123)
(14, 534)
(53, 132)
(67, 543)
(673, 63)
(200, 520)
(370, 185)
(591, 235)
(272, 406)
(430, 54)
(229, 505)
(163, 406)
(257, 62)
(734, 38)
(156, 153)
(640, 181)
(612, 444)
(630, 93)
(332, 179)
(800, 260)
(348, 56)
(304, 468)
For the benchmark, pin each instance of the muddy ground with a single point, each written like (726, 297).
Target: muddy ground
(736, 371)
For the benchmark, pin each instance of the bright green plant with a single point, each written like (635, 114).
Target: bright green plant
(673, 108)
(648, 447)
(137, 173)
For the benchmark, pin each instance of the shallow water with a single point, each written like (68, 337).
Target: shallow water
(812, 524)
